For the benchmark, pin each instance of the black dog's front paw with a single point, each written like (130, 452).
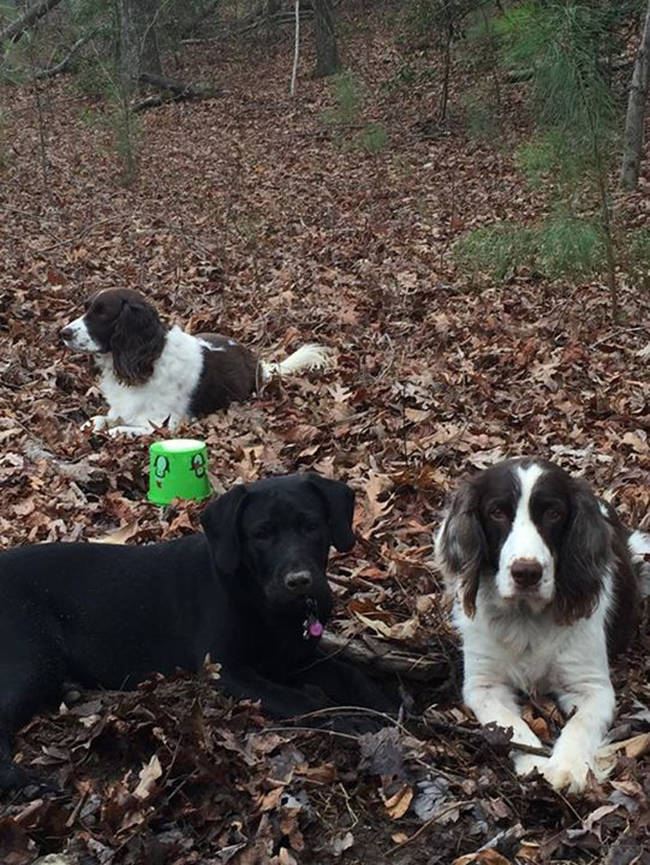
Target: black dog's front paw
(30, 782)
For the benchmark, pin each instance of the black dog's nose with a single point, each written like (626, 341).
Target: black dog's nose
(298, 582)
(66, 333)
(526, 572)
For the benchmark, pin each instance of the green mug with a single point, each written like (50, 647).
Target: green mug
(178, 469)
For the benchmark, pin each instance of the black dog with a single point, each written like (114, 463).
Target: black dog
(252, 592)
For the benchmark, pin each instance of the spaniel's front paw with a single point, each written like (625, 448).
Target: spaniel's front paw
(97, 423)
(526, 763)
(123, 430)
(564, 773)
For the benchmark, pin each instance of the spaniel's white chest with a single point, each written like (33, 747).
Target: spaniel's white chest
(166, 394)
(531, 653)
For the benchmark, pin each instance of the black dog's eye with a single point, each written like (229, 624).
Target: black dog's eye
(99, 309)
(263, 532)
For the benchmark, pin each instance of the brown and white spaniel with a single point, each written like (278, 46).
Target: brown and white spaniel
(151, 374)
(546, 585)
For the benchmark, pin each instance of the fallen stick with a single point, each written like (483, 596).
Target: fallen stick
(81, 471)
(422, 668)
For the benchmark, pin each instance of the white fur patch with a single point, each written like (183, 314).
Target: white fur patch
(167, 394)
(309, 356)
(210, 346)
(525, 542)
(639, 544)
(515, 649)
(77, 337)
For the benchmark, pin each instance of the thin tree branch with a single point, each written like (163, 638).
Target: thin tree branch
(17, 28)
(51, 71)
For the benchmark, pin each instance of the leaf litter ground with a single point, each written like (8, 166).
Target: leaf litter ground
(251, 216)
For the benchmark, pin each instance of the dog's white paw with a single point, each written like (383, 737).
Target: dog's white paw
(97, 423)
(572, 774)
(526, 763)
(116, 431)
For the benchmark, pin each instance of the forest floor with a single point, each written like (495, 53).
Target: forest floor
(252, 214)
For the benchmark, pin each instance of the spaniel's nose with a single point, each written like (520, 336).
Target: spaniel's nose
(526, 573)
(299, 582)
(66, 333)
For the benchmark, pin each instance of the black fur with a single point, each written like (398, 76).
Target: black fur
(108, 615)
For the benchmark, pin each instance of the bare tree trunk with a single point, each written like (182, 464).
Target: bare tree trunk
(296, 49)
(138, 43)
(15, 30)
(327, 55)
(444, 95)
(636, 110)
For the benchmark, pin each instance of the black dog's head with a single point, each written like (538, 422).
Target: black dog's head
(270, 541)
(537, 534)
(122, 322)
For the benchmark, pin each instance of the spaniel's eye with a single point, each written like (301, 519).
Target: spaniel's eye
(307, 524)
(498, 514)
(553, 515)
(99, 309)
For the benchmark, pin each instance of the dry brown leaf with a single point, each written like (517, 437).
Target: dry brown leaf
(537, 724)
(323, 774)
(271, 800)
(120, 536)
(634, 747)
(398, 804)
(483, 857)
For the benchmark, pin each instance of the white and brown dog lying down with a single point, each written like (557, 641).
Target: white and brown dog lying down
(151, 374)
(546, 590)
(251, 591)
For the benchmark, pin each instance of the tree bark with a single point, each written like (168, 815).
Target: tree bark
(15, 30)
(138, 43)
(634, 119)
(327, 55)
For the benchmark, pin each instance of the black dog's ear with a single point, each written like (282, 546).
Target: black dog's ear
(220, 521)
(137, 340)
(461, 546)
(339, 501)
(585, 552)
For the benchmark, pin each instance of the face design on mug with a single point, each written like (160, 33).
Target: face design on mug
(198, 465)
(160, 468)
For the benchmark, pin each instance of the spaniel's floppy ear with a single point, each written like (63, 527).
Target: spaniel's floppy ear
(585, 551)
(137, 340)
(220, 521)
(461, 546)
(339, 501)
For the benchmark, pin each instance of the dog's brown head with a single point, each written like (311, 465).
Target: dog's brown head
(122, 322)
